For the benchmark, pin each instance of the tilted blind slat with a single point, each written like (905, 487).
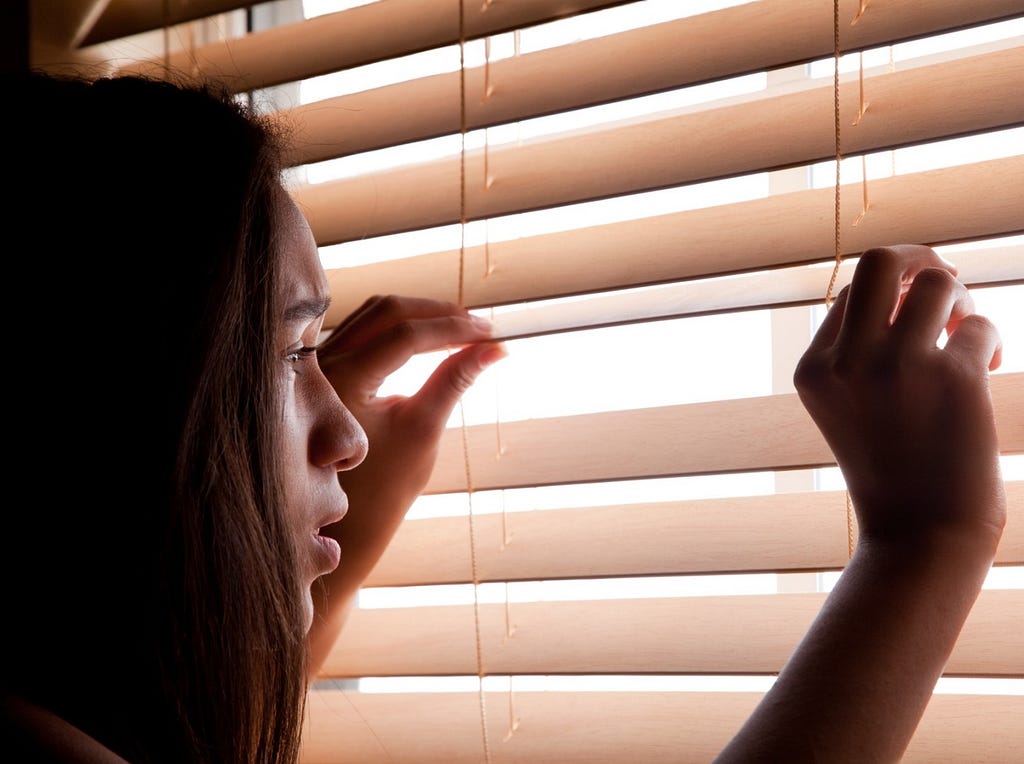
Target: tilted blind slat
(763, 289)
(609, 727)
(740, 634)
(978, 93)
(770, 432)
(357, 36)
(123, 18)
(778, 532)
(765, 233)
(771, 288)
(749, 37)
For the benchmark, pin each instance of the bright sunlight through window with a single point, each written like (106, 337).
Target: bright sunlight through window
(647, 364)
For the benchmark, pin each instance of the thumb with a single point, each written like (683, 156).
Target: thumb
(456, 374)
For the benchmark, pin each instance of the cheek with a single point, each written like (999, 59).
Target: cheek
(292, 418)
(294, 440)
(294, 461)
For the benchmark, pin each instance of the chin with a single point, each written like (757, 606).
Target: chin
(307, 611)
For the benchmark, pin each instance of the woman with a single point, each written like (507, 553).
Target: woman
(189, 456)
(183, 553)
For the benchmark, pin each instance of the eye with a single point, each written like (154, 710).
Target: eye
(297, 356)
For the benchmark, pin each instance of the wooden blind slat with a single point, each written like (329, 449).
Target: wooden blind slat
(123, 18)
(748, 37)
(779, 230)
(609, 727)
(751, 36)
(978, 93)
(770, 432)
(763, 289)
(740, 634)
(353, 37)
(743, 534)
(554, 727)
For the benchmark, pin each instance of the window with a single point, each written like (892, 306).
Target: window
(643, 195)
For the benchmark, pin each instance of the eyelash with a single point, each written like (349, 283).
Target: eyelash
(299, 355)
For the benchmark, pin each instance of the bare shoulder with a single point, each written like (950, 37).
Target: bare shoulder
(36, 735)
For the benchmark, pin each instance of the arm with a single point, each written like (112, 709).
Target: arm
(403, 432)
(912, 428)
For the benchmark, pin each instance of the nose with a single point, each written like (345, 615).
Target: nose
(337, 439)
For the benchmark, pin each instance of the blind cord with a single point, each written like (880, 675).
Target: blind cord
(465, 437)
(850, 521)
(839, 154)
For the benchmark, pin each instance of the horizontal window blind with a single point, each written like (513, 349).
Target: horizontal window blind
(643, 196)
(644, 154)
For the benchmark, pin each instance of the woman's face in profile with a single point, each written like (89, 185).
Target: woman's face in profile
(321, 437)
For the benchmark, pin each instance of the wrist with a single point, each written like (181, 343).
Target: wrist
(955, 558)
(976, 535)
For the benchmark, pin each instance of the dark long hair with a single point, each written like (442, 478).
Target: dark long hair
(158, 604)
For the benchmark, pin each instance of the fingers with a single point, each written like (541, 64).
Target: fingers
(899, 301)
(935, 301)
(976, 342)
(879, 282)
(900, 295)
(387, 340)
(453, 377)
(377, 304)
(384, 313)
(830, 325)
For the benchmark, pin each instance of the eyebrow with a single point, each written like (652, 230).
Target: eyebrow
(307, 309)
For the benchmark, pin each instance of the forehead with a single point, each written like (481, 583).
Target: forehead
(304, 277)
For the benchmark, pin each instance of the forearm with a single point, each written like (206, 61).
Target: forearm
(858, 684)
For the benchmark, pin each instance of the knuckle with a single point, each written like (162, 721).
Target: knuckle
(976, 322)
(936, 279)
(810, 373)
(402, 332)
(370, 302)
(455, 325)
(876, 257)
(817, 376)
(388, 304)
(460, 379)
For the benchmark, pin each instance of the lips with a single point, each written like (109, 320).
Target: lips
(326, 553)
(325, 550)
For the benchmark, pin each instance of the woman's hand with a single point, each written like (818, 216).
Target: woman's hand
(910, 423)
(377, 340)
(403, 431)
(912, 429)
